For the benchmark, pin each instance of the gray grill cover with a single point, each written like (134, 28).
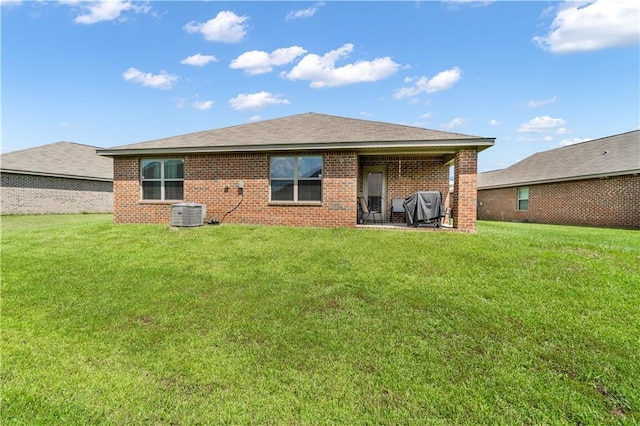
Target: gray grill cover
(424, 206)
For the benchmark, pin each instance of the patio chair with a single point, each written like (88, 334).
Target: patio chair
(365, 213)
(397, 206)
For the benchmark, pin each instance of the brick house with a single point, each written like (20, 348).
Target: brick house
(61, 177)
(300, 170)
(593, 183)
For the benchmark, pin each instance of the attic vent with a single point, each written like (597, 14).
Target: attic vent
(187, 214)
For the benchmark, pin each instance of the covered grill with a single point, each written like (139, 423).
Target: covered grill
(424, 208)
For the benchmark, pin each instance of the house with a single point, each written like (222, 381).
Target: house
(61, 177)
(594, 183)
(300, 170)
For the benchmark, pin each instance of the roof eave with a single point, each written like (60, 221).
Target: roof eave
(403, 146)
(558, 180)
(56, 175)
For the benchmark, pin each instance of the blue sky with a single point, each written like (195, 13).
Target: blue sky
(534, 75)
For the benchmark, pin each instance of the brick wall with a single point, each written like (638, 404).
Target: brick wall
(32, 194)
(407, 175)
(213, 179)
(606, 202)
(465, 190)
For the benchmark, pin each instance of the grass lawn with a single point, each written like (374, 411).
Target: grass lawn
(140, 324)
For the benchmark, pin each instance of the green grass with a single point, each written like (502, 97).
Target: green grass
(140, 324)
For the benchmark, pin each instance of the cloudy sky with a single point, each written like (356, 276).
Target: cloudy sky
(535, 75)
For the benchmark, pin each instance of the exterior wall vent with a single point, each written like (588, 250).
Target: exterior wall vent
(188, 214)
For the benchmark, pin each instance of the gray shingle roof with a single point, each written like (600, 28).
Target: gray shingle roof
(63, 159)
(302, 130)
(609, 156)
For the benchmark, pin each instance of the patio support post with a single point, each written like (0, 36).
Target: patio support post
(465, 190)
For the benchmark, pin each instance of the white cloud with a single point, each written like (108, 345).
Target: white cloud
(256, 100)
(426, 115)
(198, 60)
(202, 105)
(592, 25)
(532, 139)
(304, 13)
(10, 3)
(566, 142)
(494, 122)
(441, 81)
(541, 125)
(474, 3)
(562, 131)
(105, 10)
(163, 80)
(538, 104)
(255, 118)
(527, 139)
(257, 62)
(456, 122)
(67, 124)
(322, 70)
(226, 27)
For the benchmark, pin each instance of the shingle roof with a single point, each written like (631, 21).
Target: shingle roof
(609, 156)
(308, 130)
(62, 159)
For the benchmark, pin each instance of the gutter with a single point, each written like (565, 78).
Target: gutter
(359, 146)
(56, 175)
(561, 179)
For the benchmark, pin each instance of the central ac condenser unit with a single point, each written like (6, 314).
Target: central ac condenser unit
(188, 214)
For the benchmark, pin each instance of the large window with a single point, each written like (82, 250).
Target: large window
(523, 199)
(162, 179)
(296, 178)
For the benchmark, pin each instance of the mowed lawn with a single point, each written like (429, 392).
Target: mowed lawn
(141, 324)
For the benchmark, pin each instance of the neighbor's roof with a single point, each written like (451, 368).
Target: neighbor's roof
(310, 131)
(610, 156)
(60, 159)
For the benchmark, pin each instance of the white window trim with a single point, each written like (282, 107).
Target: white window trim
(522, 199)
(162, 179)
(296, 179)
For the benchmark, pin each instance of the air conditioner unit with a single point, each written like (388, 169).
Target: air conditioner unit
(188, 214)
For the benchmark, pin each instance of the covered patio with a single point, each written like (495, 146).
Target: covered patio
(449, 171)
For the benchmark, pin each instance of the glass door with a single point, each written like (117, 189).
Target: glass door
(375, 189)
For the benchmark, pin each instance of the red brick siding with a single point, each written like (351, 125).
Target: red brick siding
(465, 190)
(213, 179)
(606, 202)
(407, 175)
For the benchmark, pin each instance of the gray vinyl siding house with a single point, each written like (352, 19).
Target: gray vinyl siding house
(593, 183)
(61, 177)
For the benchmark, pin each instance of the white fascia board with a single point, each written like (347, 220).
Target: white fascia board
(357, 146)
(56, 175)
(560, 180)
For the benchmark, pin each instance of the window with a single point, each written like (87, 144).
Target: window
(523, 199)
(162, 179)
(296, 178)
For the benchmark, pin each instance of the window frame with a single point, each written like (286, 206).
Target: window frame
(296, 178)
(162, 179)
(521, 199)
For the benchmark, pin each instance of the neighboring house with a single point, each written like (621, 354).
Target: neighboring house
(300, 170)
(61, 177)
(594, 183)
